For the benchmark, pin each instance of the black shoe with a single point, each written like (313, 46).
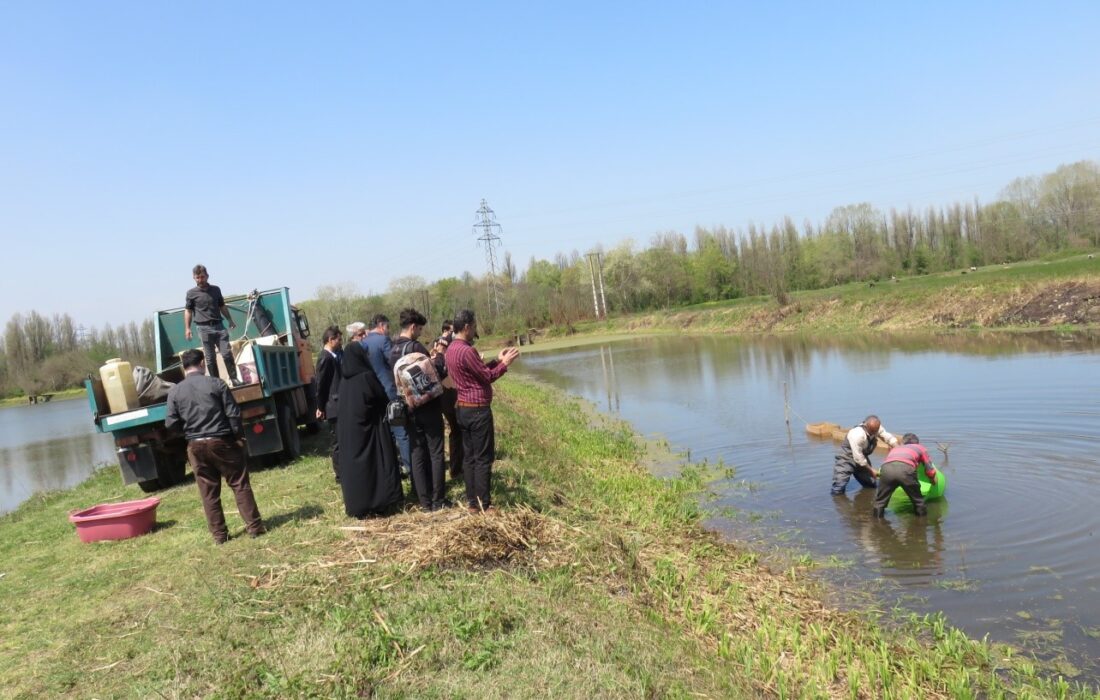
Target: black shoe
(922, 511)
(227, 538)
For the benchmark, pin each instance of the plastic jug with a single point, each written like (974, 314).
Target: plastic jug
(118, 383)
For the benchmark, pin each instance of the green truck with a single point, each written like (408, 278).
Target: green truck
(274, 402)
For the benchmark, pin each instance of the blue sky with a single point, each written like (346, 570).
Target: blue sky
(304, 144)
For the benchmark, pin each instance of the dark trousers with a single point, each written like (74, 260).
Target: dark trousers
(844, 469)
(334, 447)
(479, 443)
(215, 459)
(429, 472)
(893, 475)
(215, 337)
(404, 446)
(454, 441)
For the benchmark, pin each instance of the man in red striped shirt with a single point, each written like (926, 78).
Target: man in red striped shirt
(473, 380)
(900, 469)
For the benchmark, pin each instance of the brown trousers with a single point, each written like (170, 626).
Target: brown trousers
(211, 460)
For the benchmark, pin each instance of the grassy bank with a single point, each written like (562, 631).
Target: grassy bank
(598, 581)
(62, 395)
(1039, 294)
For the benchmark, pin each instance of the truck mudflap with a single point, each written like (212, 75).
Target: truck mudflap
(263, 436)
(138, 463)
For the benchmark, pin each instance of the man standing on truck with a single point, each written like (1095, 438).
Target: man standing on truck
(204, 408)
(205, 306)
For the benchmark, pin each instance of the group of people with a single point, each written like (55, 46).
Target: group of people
(356, 392)
(899, 469)
(356, 388)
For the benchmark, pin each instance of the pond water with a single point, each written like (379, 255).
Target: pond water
(48, 446)
(1012, 549)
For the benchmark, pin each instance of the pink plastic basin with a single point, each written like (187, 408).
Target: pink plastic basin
(115, 521)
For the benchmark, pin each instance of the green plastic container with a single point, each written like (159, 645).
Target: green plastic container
(929, 490)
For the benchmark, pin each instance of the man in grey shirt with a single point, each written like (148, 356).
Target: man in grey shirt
(205, 306)
(205, 410)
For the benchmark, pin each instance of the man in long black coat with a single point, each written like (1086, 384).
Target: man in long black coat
(369, 476)
(328, 388)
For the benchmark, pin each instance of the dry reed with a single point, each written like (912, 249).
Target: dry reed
(416, 540)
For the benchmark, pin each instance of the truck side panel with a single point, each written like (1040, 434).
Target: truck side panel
(277, 366)
(171, 338)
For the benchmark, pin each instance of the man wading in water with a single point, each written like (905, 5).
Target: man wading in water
(900, 469)
(852, 460)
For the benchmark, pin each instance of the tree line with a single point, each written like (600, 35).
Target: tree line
(45, 354)
(1032, 217)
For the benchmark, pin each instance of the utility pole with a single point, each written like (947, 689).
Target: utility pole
(603, 299)
(592, 276)
(487, 231)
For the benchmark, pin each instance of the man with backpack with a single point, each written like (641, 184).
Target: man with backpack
(418, 376)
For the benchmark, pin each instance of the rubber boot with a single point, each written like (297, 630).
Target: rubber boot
(878, 512)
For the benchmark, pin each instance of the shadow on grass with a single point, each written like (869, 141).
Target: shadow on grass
(164, 525)
(309, 511)
(507, 490)
(318, 444)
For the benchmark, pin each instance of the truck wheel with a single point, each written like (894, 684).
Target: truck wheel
(170, 471)
(177, 469)
(288, 427)
(150, 486)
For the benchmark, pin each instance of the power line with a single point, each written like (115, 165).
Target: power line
(487, 231)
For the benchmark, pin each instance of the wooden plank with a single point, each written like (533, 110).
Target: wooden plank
(248, 392)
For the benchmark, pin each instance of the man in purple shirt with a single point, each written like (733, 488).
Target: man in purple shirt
(473, 380)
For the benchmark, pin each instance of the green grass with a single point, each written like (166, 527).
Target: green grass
(648, 604)
(982, 299)
(62, 395)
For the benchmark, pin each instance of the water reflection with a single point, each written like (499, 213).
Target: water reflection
(1018, 412)
(903, 546)
(59, 449)
(607, 359)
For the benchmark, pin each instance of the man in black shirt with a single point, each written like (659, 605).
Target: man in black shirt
(204, 408)
(328, 387)
(205, 306)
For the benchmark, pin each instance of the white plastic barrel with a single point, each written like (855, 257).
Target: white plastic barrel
(118, 383)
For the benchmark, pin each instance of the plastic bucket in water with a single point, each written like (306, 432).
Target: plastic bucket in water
(115, 521)
(929, 490)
